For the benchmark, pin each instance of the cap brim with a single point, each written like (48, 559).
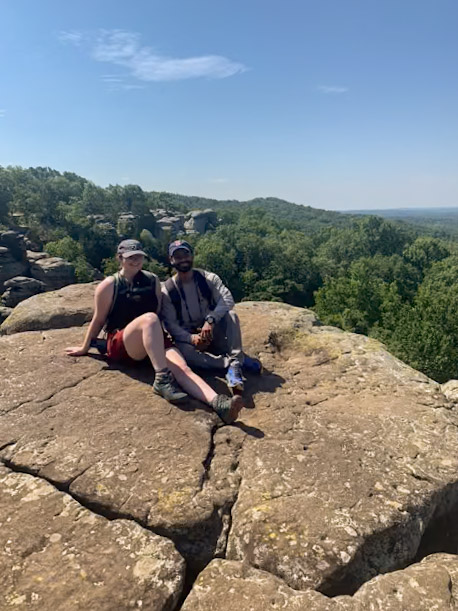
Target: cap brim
(131, 253)
(180, 248)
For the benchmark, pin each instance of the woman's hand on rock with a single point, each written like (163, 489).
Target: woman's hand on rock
(76, 351)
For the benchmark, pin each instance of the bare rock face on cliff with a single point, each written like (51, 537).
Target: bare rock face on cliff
(341, 470)
(200, 221)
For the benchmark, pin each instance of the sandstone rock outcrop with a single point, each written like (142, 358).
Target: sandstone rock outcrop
(54, 272)
(33, 255)
(10, 266)
(4, 313)
(70, 306)
(200, 221)
(345, 469)
(171, 224)
(127, 226)
(20, 288)
(15, 243)
(450, 390)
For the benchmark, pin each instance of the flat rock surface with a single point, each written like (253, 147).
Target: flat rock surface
(102, 433)
(343, 466)
(68, 307)
(56, 554)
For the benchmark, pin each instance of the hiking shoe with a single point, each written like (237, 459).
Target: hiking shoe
(251, 365)
(167, 387)
(234, 377)
(227, 408)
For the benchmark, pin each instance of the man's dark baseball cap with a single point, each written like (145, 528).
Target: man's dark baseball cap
(128, 248)
(177, 245)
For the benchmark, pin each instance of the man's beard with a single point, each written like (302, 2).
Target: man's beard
(183, 267)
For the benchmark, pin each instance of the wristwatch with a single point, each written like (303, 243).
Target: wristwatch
(210, 319)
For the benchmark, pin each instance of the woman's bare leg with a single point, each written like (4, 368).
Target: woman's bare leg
(187, 379)
(144, 337)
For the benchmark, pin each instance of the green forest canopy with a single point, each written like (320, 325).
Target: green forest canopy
(390, 280)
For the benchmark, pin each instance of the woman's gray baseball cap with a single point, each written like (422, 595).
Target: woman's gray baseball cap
(128, 248)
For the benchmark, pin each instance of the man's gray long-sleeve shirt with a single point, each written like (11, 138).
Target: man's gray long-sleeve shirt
(196, 307)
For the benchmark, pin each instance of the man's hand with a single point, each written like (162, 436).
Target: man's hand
(207, 332)
(76, 351)
(198, 342)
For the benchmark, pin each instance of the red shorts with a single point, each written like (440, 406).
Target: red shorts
(116, 350)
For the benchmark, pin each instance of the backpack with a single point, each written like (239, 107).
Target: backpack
(117, 281)
(175, 297)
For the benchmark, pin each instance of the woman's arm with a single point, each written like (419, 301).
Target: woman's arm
(102, 303)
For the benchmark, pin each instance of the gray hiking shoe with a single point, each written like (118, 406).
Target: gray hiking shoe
(227, 408)
(167, 387)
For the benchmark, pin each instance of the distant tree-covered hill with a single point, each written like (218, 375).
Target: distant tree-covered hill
(439, 222)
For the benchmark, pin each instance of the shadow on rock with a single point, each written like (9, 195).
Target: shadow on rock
(266, 382)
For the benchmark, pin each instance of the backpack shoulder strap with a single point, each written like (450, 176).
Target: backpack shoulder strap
(151, 277)
(174, 298)
(117, 280)
(204, 289)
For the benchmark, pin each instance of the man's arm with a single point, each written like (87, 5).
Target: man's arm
(169, 317)
(222, 296)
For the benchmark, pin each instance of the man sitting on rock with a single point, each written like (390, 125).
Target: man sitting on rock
(197, 312)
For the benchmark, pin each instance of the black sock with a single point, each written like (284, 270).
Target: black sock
(162, 372)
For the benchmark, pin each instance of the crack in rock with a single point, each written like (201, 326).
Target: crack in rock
(208, 459)
(7, 445)
(215, 463)
(50, 396)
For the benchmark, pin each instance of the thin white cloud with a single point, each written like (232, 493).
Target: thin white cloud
(332, 89)
(2, 112)
(124, 49)
(73, 37)
(218, 181)
(117, 83)
(111, 78)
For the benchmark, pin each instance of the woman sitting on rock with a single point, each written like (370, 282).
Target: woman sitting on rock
(125, 305)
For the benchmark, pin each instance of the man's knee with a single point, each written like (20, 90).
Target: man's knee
(234, 317)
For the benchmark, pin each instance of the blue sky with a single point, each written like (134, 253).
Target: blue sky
(335, 104)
